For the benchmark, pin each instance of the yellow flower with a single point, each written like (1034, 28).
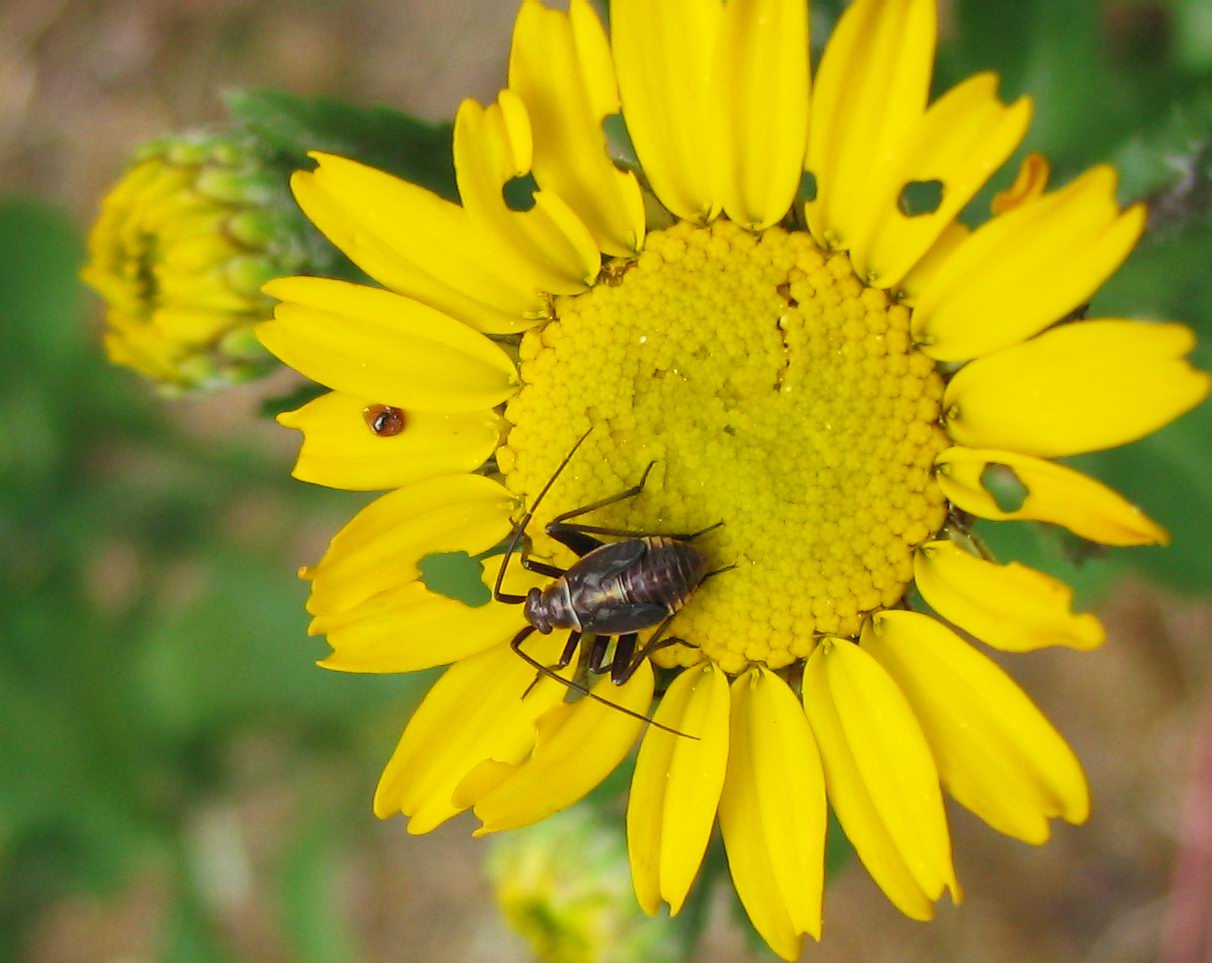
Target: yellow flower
(563, 886)
(182, 246)
(807, 351)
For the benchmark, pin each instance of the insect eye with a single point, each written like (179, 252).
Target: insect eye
(384, 420)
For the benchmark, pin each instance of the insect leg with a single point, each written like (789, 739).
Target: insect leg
(538, 666)
(597, 654)
(620, 665)
(580, 538)
(580, 543)
(654, 644)
(507, 597)
(516, 646)
(570, 648)
(702, 531)
(562, 530)
(520, 528)
(603, 502)
(665, 644)
(586, 530)
(542, 568)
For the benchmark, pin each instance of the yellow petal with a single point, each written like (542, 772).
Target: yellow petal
(419, 244)
(409, 627)
(663, 54)
(997, 754)
(375, 344)
(870, 95)
(549, 242)
(1054, 494)
(772, 812)
(749, 856)
(1024, 270)
(560, 67)
(475, 711)
(340, 449)
(190, 325)
(962, 140)
(676, 788)
(579, 744)
(761, 89)
(1009, 607)
(381, 546)
(138, 349)
(939, 255)
(880, 776)
(1030, 183)
(1079, 387)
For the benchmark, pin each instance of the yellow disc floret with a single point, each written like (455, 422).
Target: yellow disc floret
(775, 393)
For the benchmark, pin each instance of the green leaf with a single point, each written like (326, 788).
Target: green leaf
(1193, 34)
(60, 751)
(824, 15)
(1169, 474)
(1085, 568)
(1049, 49)
(838, 849)
(301, 395)
(987, 36)
(1095, 75)
(290, 126)
(310, 905)
(192, 936)
(1170, 165)
(40, 259)
(1165, 279)
(240, 651)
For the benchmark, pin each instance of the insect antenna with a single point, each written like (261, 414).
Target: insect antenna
(539, 667)
(520, 528)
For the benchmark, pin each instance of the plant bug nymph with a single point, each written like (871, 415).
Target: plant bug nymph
(613, 591)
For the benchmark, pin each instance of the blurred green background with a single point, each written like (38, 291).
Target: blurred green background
(178, 782)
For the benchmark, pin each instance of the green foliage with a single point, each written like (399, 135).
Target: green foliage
(1169, 473)
(295, 398)
(292, 126)
(1097, 74)
(306, 890)
(1170, 165)
(139, 635)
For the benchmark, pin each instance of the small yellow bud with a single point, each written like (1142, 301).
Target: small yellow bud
(183, 243)
(564, 886)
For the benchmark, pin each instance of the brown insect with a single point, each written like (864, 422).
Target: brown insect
(611, 593)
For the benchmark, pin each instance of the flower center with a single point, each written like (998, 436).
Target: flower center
(775, 393)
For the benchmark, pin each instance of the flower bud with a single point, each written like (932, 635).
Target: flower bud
(564, 886)
(181, 248)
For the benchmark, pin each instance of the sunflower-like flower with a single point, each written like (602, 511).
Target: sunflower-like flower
(779, 310)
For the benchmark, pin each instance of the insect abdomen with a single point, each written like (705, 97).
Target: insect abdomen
(666, 575)
(632, 585)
